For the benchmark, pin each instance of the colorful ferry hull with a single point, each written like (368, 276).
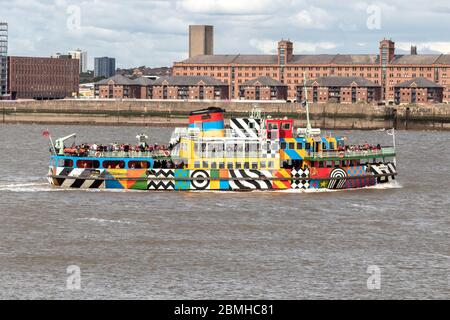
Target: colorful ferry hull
(222, 179)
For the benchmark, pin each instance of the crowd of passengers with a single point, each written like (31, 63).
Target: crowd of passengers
(364, 147)
(84, 149)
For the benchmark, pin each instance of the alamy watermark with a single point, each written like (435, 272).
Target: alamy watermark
(374, 17)
(374, 281)
(73, 22)
(73, 281)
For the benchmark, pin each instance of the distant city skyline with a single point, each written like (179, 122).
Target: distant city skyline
(158, 34)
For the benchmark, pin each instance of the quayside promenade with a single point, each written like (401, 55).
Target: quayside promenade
(174, 113)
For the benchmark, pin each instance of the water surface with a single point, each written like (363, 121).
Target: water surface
(219, 245)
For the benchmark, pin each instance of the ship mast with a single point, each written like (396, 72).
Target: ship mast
(308, 123)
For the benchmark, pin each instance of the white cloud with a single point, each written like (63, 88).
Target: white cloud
(314, 47)
(155, 32)
(229, 7)
(313, 18)
(438, 46)
(264, 45)
(268, 46)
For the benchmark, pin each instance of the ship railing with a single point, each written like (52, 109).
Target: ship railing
(129, 154)
(378, 153)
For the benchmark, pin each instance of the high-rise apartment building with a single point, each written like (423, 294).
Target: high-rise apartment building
(105, 67)
(201, 40)
(3, 58)
(82, 56)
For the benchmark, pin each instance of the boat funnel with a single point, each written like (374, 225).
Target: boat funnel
(209, 122)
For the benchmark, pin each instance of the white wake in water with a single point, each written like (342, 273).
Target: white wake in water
(99, 220)
(26, 187)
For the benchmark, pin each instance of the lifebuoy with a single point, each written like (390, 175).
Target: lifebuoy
(97, 154)
(341, 154)
(167, 153)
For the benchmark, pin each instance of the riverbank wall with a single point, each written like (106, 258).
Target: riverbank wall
(174, 113)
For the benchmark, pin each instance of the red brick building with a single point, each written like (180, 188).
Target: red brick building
(263, 88)
(42, 78)
(120, 87)
(418, 90)
(340, 90)
(189, 88)
(385, 68)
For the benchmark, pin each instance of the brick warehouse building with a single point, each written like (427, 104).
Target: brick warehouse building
(173, 88)
(263, 88)
(42, 78)
(418, 90)
(119, 87)
(386, 68)
(341, 90)
(189, 88)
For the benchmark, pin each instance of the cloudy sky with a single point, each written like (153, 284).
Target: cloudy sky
(155, 32)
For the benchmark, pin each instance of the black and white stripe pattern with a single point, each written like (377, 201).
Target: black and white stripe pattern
(161, 179)
(246, 127)
(384, 169)
(250, 180)
(80, 178)
(339, 180)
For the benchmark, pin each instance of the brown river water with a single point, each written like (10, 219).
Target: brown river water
(219, 245)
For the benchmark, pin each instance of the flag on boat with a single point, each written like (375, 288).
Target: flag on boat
(390, 132)
(46, 133)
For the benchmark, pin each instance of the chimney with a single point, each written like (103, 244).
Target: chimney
(414, 50)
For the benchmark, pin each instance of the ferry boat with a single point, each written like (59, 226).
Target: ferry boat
(254, 153)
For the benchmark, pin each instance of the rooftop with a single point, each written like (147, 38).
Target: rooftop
(334, 81)
(419, 82)
(319, 59)
(264, 81)
(188, 81)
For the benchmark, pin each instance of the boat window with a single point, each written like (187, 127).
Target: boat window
(116, 164)
(286, 126)
(213, 165)
(324, 146)
(254, 165)
(299, 145)
(88, 164)
(138, 164)
(291, 145)
(221, 165)
(205, 164)
(332, 146)
(262, 164)
(308, 146)
(66, 163)
(320, 164)
(230, 165)
(197, 164)
(273, 126)
(337, 164)
(246, 165)
(271, 164)
(238, 165)
(329, 164)
(283, 145)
